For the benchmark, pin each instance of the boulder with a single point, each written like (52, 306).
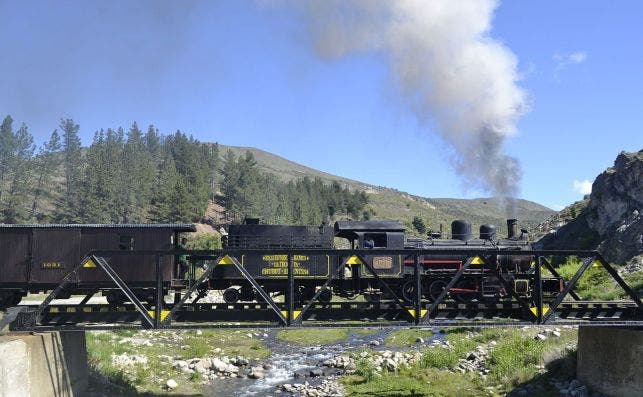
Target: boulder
(202, 366)
(316, 372)
(171, 384)
(218, 364)
(256, 373)
(241, 361)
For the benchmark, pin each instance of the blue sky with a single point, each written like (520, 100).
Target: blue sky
(244, 73)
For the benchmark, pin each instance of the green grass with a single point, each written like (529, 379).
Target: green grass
(231, 343)
(416, 383)
(596, 283)
(366, 369)
(512, 362)
(406, 337)
(447, 357)
(150, 378)
(313, 336)
(515, 357)
(366, 331)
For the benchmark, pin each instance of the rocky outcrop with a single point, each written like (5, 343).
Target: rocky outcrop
(611, 220)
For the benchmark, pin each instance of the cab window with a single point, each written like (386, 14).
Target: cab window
(375, 240)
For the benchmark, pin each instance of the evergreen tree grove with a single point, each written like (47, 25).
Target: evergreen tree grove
(135, 177)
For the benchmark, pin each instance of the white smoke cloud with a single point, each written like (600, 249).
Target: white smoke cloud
(583, 187)
(448, 68)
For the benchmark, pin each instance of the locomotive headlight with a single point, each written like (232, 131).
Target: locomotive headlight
(521, 286)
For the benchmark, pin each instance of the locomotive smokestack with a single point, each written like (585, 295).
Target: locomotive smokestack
(512, 228)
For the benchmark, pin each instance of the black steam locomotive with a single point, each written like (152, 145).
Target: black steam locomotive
(479, 282)
(35, 258)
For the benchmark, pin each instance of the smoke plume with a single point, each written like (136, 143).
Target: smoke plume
(448, 69)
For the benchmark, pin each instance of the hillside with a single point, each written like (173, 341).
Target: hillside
(287, 170)
(132, 176)
(387, 203)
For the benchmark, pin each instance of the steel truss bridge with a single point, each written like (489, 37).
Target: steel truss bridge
(567, 307)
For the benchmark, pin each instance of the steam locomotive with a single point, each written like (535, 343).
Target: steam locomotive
(35, 258)
(479, 282)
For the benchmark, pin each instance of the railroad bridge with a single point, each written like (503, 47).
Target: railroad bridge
(54, 363)
(289, 310)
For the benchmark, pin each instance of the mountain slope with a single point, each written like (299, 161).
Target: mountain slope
(388, 203)
(285, 169)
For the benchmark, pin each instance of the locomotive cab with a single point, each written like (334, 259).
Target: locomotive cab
(371, 234)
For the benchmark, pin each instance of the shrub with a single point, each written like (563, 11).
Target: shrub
(515, 353)
(440, 358)
(366, 369)
(205, 241)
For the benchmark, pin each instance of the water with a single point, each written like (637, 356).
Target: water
(284, 364)
(288, 359)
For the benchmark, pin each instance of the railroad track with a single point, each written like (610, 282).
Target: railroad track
(334, 314)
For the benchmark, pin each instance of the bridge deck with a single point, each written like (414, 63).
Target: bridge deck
(340, 314)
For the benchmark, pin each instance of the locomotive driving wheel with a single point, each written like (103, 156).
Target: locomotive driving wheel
(115, 298)
(408, 291)
(436, 288)
(231, 295)
(325, 296)
(465, 291)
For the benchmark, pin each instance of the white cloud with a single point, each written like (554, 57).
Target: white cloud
(557, 207)
(563, 61)
(583, 187)
(574, 58)
(577, 57)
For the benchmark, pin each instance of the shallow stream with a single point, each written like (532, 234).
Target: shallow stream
(289, 359)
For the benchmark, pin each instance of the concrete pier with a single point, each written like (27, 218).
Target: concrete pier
(44, 364)
(610, 360)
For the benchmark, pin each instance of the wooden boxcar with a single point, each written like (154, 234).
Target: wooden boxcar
(35, 258)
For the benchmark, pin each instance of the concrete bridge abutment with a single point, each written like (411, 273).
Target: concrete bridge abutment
(610, 360)
(43, 364)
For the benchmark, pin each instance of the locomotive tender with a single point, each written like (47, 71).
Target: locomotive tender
(35, 258)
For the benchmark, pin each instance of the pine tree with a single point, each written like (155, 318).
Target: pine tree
(68, 208)
(46, 172)
(95, 198)
(19, 161)
(153, 143)
(137, 177)
(229, 185)
(418, 224)
(6, 149)
(212, 154)
(164, 191)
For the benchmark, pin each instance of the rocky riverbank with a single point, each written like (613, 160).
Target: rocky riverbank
(517, 362)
